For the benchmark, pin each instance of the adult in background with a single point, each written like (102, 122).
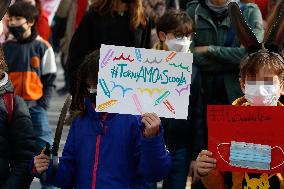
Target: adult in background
(110, 22)
(154, 9)
(217, 51)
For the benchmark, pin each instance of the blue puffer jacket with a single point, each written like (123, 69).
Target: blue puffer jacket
(110, 152)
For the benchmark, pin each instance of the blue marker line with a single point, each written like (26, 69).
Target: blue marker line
(162, 97)
(104, 87)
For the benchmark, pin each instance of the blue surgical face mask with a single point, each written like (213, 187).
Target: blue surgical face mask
(253, 156)
(249, 155)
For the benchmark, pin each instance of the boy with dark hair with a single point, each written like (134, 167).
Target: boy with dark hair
(32, 67)
(16, 131)
(184, 138)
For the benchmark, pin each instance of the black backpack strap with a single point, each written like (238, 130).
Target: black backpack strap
(8, 99)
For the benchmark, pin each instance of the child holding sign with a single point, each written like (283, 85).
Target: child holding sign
(262, 79)
(184, 138)
(104, 150)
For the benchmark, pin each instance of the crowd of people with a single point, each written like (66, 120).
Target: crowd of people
(106, 150)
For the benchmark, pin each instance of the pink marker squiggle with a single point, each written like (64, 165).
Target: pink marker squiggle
(137, 103)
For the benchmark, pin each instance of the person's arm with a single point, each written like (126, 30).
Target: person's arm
(206, 169)
(65, 175)
(48, 77)
(81, 44)
(207, 63)
(154, 162)
(233, 55)
(22, 143)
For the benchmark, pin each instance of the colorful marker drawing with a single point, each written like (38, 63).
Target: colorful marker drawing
(124, 90)
(171, 56)
(180, 66)
(123, 58)
(137, 103)
(182, 89)
(107, 58)
(162, 97)
(150, 91)
(104, 87)
(153, 61)
(169, 106)
(106, 105)
(138, 55)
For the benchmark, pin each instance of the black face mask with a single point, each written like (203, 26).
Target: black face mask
(17, 31)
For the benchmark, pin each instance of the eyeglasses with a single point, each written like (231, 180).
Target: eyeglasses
(180, 35)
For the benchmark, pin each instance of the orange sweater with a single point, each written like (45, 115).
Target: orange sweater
(215, 179)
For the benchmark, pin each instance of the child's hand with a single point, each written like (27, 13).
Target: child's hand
(41, 162)
(205, 163)
(152, 124)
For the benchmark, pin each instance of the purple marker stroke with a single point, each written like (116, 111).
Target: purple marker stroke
(107, 57)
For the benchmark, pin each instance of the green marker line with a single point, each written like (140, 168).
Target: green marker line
(162, 97)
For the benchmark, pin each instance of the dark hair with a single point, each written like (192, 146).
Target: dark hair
(38, 5)
(175, 20)
(87, 72)
(136, 10)
(24, 9)
(272, 62)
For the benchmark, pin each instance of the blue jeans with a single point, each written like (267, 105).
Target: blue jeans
(180, 167)
(178, 176)
(42, 132)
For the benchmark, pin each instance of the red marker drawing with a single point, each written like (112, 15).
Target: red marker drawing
(169, 106)
(171, 56)
(137, 103)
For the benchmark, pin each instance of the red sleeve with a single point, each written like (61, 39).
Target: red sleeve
(43, 27)
(82, 7)
(262, 4)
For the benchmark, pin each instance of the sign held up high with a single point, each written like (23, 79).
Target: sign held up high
(135, 81)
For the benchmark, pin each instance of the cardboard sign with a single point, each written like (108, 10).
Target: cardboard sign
(135, 81)
(259, 128)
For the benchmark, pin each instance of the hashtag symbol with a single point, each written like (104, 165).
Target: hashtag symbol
(114, 72)
(217, 112)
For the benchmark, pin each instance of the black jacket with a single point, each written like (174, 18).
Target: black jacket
(190, 133)
(95, 30)
(16, 144)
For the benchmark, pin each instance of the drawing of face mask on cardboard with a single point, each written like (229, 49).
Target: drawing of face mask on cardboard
(250, 156)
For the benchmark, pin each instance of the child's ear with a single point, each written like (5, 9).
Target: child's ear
(31, 23)
(242, 84)
(162, 36)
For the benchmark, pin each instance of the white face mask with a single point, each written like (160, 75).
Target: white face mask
(179, 45)
(92, 91)
(261, 95)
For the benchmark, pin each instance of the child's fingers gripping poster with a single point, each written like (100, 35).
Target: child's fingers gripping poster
(135, 81)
